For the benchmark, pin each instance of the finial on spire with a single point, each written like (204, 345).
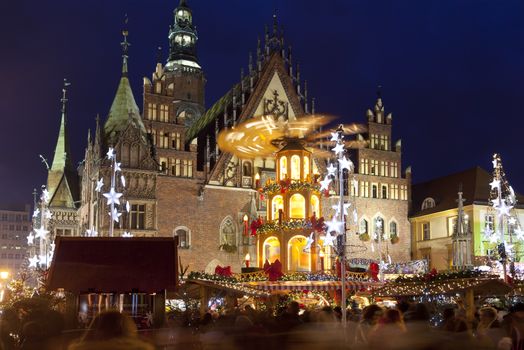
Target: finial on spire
(275, 23)
(64, 98)
(125, 47)
(159, 54)
(379, 91)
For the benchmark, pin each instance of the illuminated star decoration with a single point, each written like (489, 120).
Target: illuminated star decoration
(110, 153)
(30, 239)
(309, 241)
(334, 225)
(346, 163)
(383, 265)
(494, 162)
(324, 184)
(52, 246)
(512, 220)
(338, 148)
(115, 215)
(41, 232)
(36, 212)
(91, 233)
(45, 195)
(334, 136)
(494, 237)
(127, 234)
(123, 180)
(336, 207)
(47, 214)
(117, 167)
(43, 260)
(503, 209)
(331, 169)
(494, 184)
(149, 318)
(99, 184)
(519, 234)
(33, 261)
(112, 197)
(329, 239)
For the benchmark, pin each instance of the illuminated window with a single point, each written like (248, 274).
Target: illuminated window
(276, 204)
(364, 166)
(426, 232)
(428, 203)
(184, 236)
(188, 168)
(394, 169)
(404, 192)
(283, 168)
(374, 191)
(393, 229)
(158, 88)
(298, 259)
(175, 140)
(394, 191)
(151, 111)
(452, 223)
(489, 223)
(271, 250)
(374, 167)
(384, 191)
(295, 167)
(306, 167)
(315, 206)
(297, 206)
(164, 113)
(363, 226)
(246, 169)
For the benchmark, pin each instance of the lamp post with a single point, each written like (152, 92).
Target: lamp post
(247, 258)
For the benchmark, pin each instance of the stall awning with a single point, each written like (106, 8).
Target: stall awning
(480, 286)
(114, 265)
(311, 285)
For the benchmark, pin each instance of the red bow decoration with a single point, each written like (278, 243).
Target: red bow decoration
(255, 224)
(373, 271)
(317, 224)
(223, 271)
(274, 270)
(284, 184)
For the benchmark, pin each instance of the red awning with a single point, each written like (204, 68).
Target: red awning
(114, 265)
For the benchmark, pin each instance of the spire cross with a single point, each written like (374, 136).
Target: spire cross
(64, 91)
(125, 47)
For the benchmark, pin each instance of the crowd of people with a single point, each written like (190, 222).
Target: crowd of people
(405, 326)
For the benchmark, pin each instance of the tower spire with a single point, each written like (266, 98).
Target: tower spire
(61, 157)
(182, 39)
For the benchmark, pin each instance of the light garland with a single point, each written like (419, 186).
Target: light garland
(289, 185)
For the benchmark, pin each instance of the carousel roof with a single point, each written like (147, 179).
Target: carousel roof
(311, 285)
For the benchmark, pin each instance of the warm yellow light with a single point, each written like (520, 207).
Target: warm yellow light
(257, 176)
(245, 217)
(4, 275)
(321, 254)
(248, 257)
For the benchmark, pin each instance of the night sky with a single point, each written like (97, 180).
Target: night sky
(451, 71)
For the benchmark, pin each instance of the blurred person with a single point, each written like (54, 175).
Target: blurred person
(111, 330)
(489, 332)
(9, 325)
(370, 317)
(449, 320)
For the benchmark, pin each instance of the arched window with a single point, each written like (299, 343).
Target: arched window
(184, 237)
(306, 167)
(393, 229)
(297, 206)
(246, 168)
(374, 191)
(228, 232)
(428, 203)
(276, 204)
(298, 259)
(271, 251)
(295, 167)
(283, 168)
(363, 226)
(378, 226)
(315, 206)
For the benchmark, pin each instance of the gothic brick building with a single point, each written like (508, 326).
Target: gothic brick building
(178, 180)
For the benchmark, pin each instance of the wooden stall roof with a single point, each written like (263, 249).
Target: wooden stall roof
(114, 265)
(480, 286)
(236, 289)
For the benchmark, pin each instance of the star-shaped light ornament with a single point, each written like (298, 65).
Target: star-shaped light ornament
(496, 202)
(115, 215)
(123, 180)
(494, 237)
(48, 215)
(36, 212)
(99, 184)
(91, 233)
(45, 195)
(494, 162)
(117, 167)
(334, 136)
(30, 239)
(309, 241)
(511, 197)
(512, 220)
(334, 225)
(336, 207)
(52, 246)
(33, 261)
(331, 169)
(383, 265)
(503, 209)
(339, 148)
(110, 153)
(43, 260)
(346, 163)
(494, 184)
(329, 239)
(112, 196)
(41, 233)
(519, 234)
(488, 232)
(324, 184)
(127, 234)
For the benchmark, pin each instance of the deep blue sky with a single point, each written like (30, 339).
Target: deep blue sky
(451, 71)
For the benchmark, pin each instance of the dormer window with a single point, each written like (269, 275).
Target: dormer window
(428, 203)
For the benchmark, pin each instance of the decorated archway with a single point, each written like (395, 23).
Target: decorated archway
(298, 259)
(271, 249)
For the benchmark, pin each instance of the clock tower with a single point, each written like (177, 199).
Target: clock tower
(174, 97)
